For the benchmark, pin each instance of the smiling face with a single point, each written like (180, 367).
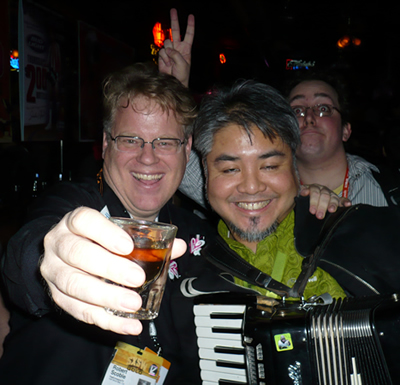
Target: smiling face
(251, 184)
(321, 137)
(144, 181)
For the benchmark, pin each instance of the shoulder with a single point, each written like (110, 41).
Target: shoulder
(79, 190)
(358, 244)
(357, 160)
(350, 223)
(65, 197)
(365, 245)
(358, 165)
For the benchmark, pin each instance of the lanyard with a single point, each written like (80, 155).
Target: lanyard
(345, 191)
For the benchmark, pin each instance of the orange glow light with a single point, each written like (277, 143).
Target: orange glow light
(158, 35)
(14, 54)
(222, 58)
(356, 41)
(343, 42)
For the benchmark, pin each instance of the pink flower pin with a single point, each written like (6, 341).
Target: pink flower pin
(173, 270)
(196, 244)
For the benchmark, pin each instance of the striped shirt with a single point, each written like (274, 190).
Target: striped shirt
(363, 188)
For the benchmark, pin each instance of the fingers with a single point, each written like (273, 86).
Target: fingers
(179, 248)
(322, 199)
(176, 32)
(97, 315)
(344, 202)
(90, 224)
(163, 60)
(78, 261)
(84, 297)
(189, 35)
(175, 29)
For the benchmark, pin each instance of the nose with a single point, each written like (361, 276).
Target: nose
(147, 155)
(251, 182)
(309, 117)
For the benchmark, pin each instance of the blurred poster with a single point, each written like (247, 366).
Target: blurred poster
(99, 55)
(5, 105)
(46, 44)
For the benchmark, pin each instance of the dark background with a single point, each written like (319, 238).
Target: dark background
(256, 37)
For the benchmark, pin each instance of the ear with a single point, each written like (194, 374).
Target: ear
(346, 132)
(105, 144)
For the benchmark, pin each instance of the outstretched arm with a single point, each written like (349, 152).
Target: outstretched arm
(175, 57)
(80, 254)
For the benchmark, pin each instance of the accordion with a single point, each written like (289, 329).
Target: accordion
(348, 342)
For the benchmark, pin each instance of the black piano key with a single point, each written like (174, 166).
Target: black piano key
(228, 382)
(227, 364)
(226, 330)
(227, 315)
(229, 350)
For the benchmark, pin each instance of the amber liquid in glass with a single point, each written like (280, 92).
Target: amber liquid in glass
(150, 260)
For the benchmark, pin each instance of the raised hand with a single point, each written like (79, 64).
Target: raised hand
(79, 255)
(175, 57)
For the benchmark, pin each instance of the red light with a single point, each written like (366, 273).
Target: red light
(222, 58)
(158, 35)
(343, 42)
(356, 41)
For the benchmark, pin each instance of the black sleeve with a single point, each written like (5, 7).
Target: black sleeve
(20, 270)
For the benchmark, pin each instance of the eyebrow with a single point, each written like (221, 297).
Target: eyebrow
(230, 158)
(317, 95)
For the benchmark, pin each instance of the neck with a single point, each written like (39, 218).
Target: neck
(330, 173)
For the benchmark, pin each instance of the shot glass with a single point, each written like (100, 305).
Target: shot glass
(152, 252)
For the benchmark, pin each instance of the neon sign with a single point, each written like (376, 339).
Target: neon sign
(14, 61)
(292, 64)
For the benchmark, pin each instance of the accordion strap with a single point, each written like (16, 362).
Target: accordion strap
(221, 255)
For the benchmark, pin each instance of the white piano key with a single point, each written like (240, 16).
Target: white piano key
(210, 354)
(212, 378)
(209, 371)
(211, 343)
(218, 322)
(201, 310)
(208, 333)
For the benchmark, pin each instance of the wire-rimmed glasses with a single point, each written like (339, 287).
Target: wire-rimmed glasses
(135, 144)
(321, 110)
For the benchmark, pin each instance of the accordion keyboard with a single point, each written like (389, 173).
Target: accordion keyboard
(349, 342)
(222, 355)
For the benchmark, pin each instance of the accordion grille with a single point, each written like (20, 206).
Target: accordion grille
(346, 352)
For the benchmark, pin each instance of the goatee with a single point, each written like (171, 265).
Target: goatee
(252, 234)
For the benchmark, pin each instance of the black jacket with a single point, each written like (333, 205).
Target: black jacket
(47, 346)
(360, 246)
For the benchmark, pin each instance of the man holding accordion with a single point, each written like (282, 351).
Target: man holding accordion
(276, 272)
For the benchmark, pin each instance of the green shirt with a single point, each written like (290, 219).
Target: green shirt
(276, 256)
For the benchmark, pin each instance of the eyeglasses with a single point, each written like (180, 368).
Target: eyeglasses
(133, 144)
(321, 110)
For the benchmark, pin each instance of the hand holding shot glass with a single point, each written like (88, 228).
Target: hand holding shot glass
(152, 252)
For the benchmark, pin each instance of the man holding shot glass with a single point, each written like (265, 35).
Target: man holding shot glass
(146, 147)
